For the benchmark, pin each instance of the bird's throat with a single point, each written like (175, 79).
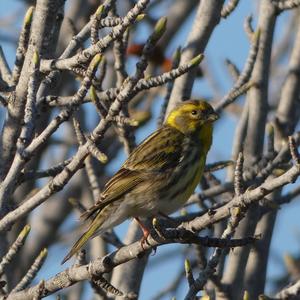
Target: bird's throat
(204, 136)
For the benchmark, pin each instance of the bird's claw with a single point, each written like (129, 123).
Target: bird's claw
(144, 240)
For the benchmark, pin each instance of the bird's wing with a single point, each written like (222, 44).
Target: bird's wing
(120, 184)
(159, 152)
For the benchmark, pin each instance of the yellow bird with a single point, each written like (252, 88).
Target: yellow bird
(159, 175)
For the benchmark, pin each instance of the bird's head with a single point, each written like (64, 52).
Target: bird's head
(193, 117)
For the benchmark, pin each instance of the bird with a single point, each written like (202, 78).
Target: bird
(159, 175)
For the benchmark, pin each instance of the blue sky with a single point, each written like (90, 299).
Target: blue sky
(228, 41)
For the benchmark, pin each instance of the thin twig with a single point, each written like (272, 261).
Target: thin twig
(244, 76)
(238, 175)
(22, 45)
(14, 249)
(285, 4)
(31, 273)
(4, 68)
(229, 8)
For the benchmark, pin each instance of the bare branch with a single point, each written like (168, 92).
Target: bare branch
(99, 47)
(4, 68)
(238, 175)
(15, 247)
(244, 76)
(248, 27)
(23, 45)
(29, 276)
(229, 8)
(290, 292)
(188, 272)
(286, 4)
(207, 17)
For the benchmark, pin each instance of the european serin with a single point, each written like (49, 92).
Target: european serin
(159, 175)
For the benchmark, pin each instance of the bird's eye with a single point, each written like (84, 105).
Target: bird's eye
(194, 112)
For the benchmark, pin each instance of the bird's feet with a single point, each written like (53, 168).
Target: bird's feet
(146, 233)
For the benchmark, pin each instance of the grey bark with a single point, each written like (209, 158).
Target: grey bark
(257, 99)
(207, 17)
(42, 40)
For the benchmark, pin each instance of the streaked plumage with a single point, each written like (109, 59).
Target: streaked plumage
(159, 175)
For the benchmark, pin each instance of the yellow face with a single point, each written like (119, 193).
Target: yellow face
(191, 116)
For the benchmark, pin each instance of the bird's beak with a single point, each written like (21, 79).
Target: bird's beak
(213, 117)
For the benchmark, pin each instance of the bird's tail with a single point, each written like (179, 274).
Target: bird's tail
(91, 231)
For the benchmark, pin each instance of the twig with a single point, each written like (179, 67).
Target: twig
(100, 282)
(270, 140)
(126, 136)
(236, 214)
(101, 108)
(31, 273)
(168, 76)
(282, 5)
(248, 197)
(88, 162)
(124, 120)
(248, 27)
(233, 69)
(228, 8)
(22, 46)
(239, 135)
(238, 92)
(188, 272)
(51, 172)
(175, 64)
(207, 17)
(95, 152)
(4, 68)
(40, 291)
(95, 24)
(23, 156)
(244, 76)
(74, 274)
(84, 33)
(14, 249)
(77, 205)
(142, 84)
(294, 151)
(84, 56)
(289, 292)
(43, 33)
(28, 128)
(218, 165)
(287, 117)
(238, 175)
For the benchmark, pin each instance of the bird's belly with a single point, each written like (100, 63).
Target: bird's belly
(183, 189)
(172, 195)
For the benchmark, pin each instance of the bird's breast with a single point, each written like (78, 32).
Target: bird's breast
(168, 192)
(183, 181)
